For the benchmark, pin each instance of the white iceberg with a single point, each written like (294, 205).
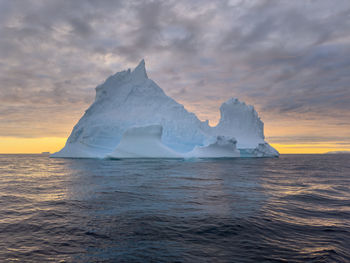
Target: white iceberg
(129, 100)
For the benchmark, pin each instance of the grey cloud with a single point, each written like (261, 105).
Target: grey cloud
(288, 58)
(81, 28)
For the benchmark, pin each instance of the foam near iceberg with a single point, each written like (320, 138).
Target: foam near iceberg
(132, 117)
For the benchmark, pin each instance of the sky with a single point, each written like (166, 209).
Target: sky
(290, 59)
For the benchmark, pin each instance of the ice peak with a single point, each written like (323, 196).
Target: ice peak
(233, 101)
(140, 71)
(241, 121)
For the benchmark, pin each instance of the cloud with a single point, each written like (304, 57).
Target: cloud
(290, 59)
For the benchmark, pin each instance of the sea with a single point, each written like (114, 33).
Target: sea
(295, 208)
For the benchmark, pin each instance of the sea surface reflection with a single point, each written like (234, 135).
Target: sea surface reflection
(290, 209)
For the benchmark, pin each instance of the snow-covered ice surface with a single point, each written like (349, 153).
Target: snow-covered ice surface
(129, 99)
(143, 142)
(223, 147)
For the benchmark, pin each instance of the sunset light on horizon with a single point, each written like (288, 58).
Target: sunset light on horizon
(289, 60)
(174, 131)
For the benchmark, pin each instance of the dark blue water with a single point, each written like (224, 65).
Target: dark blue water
(292, 209)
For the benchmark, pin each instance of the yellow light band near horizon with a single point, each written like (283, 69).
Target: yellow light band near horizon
(54, 144)
(307, 148)
(31, 145)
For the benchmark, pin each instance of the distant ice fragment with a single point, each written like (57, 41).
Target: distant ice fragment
(338, 152)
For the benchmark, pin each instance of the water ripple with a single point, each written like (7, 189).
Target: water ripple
(291, 209)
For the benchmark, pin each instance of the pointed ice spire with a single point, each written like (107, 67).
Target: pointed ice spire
(140, 71)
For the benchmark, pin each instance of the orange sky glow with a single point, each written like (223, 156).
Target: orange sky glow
(289, 59)
(279, 134)
(52, 144)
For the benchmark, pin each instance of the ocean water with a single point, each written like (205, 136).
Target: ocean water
(295, 208)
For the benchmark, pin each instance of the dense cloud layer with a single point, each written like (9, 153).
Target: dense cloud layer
(291, 59)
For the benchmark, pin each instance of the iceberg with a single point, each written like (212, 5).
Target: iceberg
(132, 117)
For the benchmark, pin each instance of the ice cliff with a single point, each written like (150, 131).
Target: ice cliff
(132, 117)
(143, 142)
